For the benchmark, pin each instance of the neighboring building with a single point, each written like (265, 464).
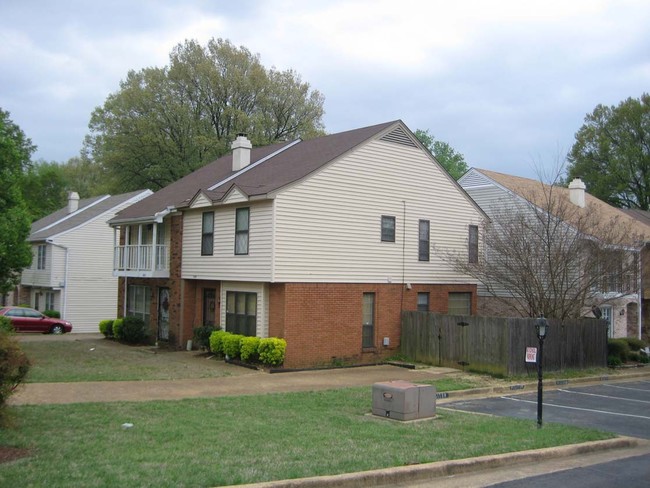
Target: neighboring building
(72, 267)
(322, 242)
(643, 216)
(617, 298)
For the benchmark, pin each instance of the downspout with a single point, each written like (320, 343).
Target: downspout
(640, 300)
(64, 298)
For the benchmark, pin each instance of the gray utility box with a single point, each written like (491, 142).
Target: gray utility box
(403, 400)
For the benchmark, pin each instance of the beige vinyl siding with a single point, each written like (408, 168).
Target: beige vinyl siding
(262, 290)
(328, 227)
(91, 291)
(224, 264)
(201, 201)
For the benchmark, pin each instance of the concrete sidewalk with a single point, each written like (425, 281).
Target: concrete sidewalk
(252, 383)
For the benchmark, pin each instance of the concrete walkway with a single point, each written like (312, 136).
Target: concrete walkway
(255, 382)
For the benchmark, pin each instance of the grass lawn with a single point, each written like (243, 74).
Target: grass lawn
(104, 360)
(234, 440)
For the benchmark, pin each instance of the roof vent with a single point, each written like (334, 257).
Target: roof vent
(73, 201)
(399, 136)
(241, 152)
(577, 192)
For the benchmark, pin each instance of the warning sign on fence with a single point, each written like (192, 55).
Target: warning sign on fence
(531, 354)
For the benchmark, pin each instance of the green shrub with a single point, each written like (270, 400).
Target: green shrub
(6, 325)
(249, 348)
(134, 330)
(634, 343)
(232, 345)
(14, 366)
(55, 314)
(643, 357)
(634, 356)
(106, 327)
(614, 361)
(619, 348)
(272, 351)
(202, 335)
(216, 341)
(118, 329)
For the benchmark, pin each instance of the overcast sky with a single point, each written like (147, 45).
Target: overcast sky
(506, 83)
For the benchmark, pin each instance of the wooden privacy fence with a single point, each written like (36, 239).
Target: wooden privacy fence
(498, 345)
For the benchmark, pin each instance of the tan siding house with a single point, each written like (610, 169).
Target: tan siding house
(300, 241)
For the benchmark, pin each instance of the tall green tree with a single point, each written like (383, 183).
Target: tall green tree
(164, 123)
(15, 153)
(447, 156)
(612, 153)
(44, 188)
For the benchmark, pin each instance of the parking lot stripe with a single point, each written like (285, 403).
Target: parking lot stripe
(627, 388)
(603, 396)
(576, 408)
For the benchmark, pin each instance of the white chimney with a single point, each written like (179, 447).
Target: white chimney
(241, 152)
(577, 192)
(73, 201)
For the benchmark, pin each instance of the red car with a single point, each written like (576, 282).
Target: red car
(30, 320)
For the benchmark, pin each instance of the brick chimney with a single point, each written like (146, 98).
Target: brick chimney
(577, 192)
(73, 201)
(241, 152)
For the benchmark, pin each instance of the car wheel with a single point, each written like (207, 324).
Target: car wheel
(57, 329)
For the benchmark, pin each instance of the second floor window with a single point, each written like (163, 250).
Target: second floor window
(423, 241)
(42, 254)
(207, 234)
(387, 228)
(473, 243)
(242, 220)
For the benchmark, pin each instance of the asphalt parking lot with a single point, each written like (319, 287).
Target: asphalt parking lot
(621, 407)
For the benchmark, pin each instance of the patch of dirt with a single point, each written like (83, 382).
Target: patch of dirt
(8, 454)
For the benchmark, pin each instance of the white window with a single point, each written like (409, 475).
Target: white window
(387, 228)
(49, 300)
(42, 255)
(607, 315)
(242, 225)
(138, 303)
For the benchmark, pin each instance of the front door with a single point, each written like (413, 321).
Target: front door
(209, 306)
(163, 314)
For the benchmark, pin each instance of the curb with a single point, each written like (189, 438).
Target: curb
(425, 472)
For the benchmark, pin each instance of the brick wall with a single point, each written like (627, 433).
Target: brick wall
(323, 322)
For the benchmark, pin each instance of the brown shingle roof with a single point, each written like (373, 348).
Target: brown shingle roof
(294, 163)
(535, 192)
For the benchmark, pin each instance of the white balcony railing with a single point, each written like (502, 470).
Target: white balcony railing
(144, 260)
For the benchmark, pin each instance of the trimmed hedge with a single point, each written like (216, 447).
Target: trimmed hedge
(54, 314)
(250, 349)
(216, 341)
(270, 351)
(118, 329)
(232, 345)
(106, 328)
(134, 330)
(634, 343)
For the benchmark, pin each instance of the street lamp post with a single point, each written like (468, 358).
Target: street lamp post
(541, 327)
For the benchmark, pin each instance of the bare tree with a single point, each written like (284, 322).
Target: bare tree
(545, 255)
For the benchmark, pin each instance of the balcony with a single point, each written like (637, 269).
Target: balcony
(145, 261)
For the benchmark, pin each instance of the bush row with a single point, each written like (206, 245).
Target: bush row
(269, 351)
(625, 349)
(128, 329)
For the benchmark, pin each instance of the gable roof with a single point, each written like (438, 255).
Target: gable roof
(89, 208)
(535, 192)
(272, 168)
